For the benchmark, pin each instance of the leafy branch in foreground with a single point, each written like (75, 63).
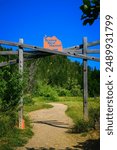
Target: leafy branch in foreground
(90, 10)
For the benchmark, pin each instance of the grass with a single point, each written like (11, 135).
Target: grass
(75, 106)
(38, 103)
(15, 137)
(75, 111)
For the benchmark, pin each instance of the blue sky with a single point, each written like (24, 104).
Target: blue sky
(33, 19)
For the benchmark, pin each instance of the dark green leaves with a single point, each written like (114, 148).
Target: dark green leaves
(86, 2)
(90, 10)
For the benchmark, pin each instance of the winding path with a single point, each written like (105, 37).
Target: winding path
(50, 127)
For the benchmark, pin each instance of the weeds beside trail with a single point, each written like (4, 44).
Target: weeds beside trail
(11, 136)
(75, 111)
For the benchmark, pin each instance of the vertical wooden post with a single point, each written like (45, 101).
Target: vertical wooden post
(21, 121)
(85, 81)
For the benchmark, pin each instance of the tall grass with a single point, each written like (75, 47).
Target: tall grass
(10, 135)
(75, 111)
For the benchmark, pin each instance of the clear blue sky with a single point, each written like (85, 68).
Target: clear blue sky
(33, 19)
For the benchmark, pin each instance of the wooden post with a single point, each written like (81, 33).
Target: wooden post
(85, 82)
(21, 121)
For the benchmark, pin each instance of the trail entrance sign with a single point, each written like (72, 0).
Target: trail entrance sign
(52, 43)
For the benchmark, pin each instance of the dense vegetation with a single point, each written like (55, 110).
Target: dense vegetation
(57, 75)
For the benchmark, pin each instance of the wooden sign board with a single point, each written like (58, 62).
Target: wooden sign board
(52, 43)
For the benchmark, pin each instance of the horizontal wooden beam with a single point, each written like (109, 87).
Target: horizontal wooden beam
(78, 47)
(8, 52)
(25, 53)
(92, 51)
(93, 43)
(12, 53)
(14, 61)
(74, 54)
(11, 62)
(44, 50)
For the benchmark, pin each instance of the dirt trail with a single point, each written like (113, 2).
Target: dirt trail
(50, 127)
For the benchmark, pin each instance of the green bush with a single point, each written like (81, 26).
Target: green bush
(7, 122)
(80, 126)
(28, 100)
(83, 126)
(12, 137)
(76, 90)
(94, 116)
(46, 91)
(63, 92)
(11, 88)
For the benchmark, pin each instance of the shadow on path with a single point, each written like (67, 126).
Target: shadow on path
(51, 148)
(89, 145)
(54, 123)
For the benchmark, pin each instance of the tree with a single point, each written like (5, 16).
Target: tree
(91, 11)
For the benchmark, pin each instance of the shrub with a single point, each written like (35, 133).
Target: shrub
(28, 100)
(94, 116)
(84, 126)
(63, 92)
(11, 90)
(76, 90)
(7, 122)
(80, 126)
(46, 91)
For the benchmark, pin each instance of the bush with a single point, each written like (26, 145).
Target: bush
(47, 92)
(94, 116)
(76, 90)
(11, 90)
(7, 122)
(28, 100)
(12, 137)
(93, 123)
(80, 126)
(63, 92)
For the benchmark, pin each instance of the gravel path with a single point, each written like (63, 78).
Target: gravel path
(50, 128)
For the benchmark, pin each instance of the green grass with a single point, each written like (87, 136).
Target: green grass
(38, 103)
(75, 106)
(15, 137)
(75, 111)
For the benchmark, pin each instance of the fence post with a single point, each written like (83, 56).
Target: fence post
(21, 120)
(85, 81)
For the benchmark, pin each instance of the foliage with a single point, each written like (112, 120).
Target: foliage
(93, 83)
(90, 10)
(39, 103)
(9, 92)
(64, 76)
(75, 111)
(94, 116)
(62, 91)
(7, 122)
(27, 99)
(13, 137)
(80, 126)
(46, 91)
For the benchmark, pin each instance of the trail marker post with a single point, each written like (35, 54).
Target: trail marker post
(85, 81)
(21, 121)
